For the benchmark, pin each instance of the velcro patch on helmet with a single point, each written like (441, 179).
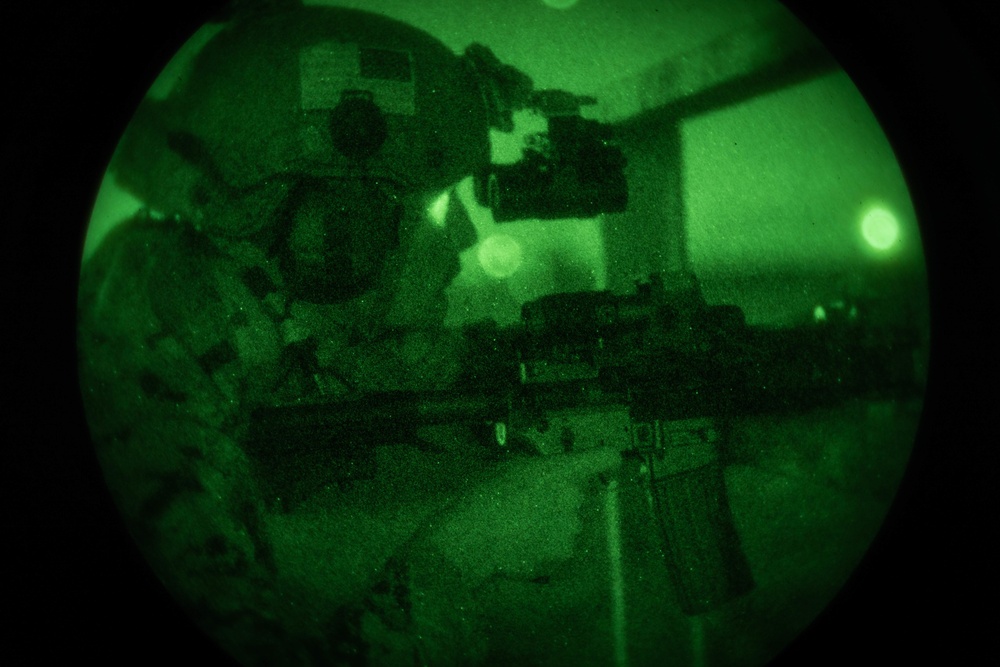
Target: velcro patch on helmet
(326, 70)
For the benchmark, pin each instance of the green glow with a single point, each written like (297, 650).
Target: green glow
(184, 332)
(438, 210)
(880, 228)
(789, 198)
(500, 256)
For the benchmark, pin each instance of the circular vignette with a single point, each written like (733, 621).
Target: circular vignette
(139, 610)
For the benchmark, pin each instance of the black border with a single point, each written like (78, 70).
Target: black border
(922, 594)
(82, 592)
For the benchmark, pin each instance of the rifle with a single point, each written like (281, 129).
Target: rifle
(657, 374)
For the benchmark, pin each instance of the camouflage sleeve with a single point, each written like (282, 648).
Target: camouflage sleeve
(419, 612)
(175, 346)
(161, 376)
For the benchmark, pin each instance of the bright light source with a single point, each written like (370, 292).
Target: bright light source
(438, 210)
(113, 206)
(880, 228)
(499, 255)
(560, 4)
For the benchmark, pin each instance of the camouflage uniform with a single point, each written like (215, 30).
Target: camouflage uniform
(181, 335)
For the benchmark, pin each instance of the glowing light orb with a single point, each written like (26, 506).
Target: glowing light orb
(560, 4)
(880, 228)
(499, 255)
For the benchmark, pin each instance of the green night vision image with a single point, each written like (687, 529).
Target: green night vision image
(536, 332)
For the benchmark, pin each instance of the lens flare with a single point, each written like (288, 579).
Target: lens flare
(499, 255)
(880, 228)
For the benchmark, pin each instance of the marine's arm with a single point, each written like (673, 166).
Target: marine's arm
(516, 521)
(163, 379)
